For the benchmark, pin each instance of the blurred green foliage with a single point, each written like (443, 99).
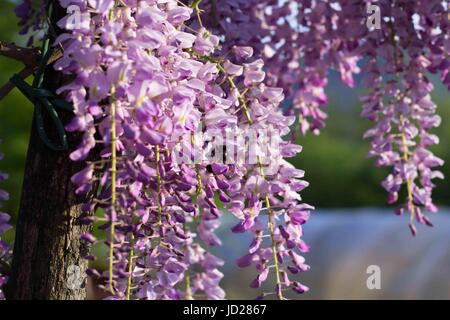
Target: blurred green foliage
(336, 165)
(15, 115)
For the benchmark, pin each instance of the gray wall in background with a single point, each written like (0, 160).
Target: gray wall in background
(344, 243)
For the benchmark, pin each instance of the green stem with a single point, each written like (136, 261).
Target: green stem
(158, 180)
(405, 151)
(188, 295)
(113, 190)
(130, 267)
(272, 236)
(240, 97)
(408, 181)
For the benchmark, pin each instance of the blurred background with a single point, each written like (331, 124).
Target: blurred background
(351, 229)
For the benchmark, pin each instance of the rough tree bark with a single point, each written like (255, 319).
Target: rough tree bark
(48, 253)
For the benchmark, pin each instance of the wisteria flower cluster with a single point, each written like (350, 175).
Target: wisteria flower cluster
(156, 81)
(399, 101)
(300, 41)
(143, 79)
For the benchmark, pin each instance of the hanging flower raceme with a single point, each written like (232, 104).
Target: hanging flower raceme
(264, 191)
(133, 79)
(142, 82)
(180, 120)
(299, 42)
(5, 248)
(399, 102)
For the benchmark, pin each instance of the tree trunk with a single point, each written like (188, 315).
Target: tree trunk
(48, 254)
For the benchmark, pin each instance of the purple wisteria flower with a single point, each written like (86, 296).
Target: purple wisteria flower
(5, 248)
(141, 81)
(300, 41)
(399, 102)
(144, 75)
